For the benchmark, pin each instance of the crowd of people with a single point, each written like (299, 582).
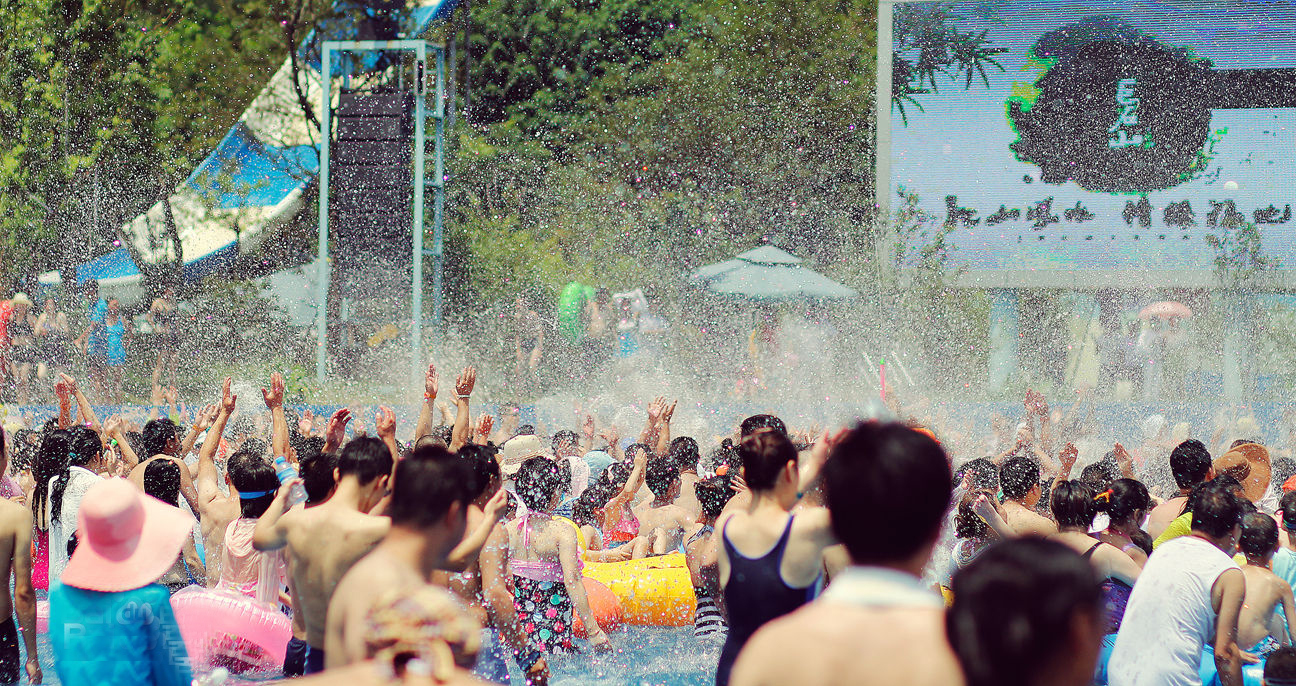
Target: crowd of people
(864, 555)
(36, 347)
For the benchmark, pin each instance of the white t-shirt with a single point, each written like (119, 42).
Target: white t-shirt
(80, 480)
(1169, 619)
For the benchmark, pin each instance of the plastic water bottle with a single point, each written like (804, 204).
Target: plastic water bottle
(286, 472)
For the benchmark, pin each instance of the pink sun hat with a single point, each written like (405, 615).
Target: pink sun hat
(126, 540)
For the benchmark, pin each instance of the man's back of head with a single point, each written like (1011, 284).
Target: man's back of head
(156, 435)
(888, 489)
(684, 453)
(1216, 513)
(1018, 476)
(365, 458)
(660, 475)
(1280, 667)
(1190, 463)
(426, 486)
(757, 422)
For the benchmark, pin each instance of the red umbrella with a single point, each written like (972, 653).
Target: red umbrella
(1165, 309)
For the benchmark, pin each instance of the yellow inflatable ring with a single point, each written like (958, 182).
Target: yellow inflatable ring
(654, 591)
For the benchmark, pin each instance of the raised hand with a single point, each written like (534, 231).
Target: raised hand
(113, 426)
(335, 431)
(274, 396)
(385, 424)
(494, 508)
(484, 425)
(1068, 457)
(430, 382)
(206, 417)
(171, 395)
(306, 424)
(69, 382)
(668, 411)
(228, 400)
(611, 435)
(465, 382)
(655, 408)
(587, 427)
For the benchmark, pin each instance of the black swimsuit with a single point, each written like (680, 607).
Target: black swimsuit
(755, 594)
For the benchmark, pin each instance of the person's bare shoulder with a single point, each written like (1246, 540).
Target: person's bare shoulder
(13, 516)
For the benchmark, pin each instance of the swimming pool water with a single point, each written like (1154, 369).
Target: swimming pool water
(644, 656)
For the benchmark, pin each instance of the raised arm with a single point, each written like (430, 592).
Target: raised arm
(202, 422)
(335, 430)
(663, 428)
(463, 390)
(270, 533)
(587, 434)
(424, 426)
(208, 476)
(84, 410)
(279, 423)
(64, 394)
(112, 429)
(385, 425)
(1124, 460)
(632, 485)
(655, 408)
(462, 556)
(1067, 458)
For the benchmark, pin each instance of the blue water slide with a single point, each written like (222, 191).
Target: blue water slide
(253, 181)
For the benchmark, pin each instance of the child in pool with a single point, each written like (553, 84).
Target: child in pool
(1258, 625)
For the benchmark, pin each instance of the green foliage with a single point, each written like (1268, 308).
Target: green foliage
(926, 43)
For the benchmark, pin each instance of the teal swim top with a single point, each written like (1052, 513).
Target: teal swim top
(128, 638)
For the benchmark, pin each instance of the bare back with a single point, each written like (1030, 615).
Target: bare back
(850, 646)
(1161, 516)
(671, 520)
(1027, 522)
(1264, 592)
(323, 543)
(359, 589)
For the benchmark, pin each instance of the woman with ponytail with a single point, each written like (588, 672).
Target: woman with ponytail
(80, 472)
(1126, 504)
(1074, 505)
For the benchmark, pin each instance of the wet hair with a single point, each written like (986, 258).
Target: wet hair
(316, 468)
(876, 471)
(593, 498)
(566, 436)
(1280, 667)
(1013, 607)
(764, 454)
(51, 461)
(24, 451)
(985, 476)
(1018, 476)
(1281, 469)
(157, 433)
(135, 440)
(256, 445)
(162, 481)
(1072, 504)
(635, 449)
(537, 482)
(727, 455)
(1288, 507)
(713, 493)
(1244, 441)
(684, 453)
(526, 430)
(426, 485)
(967, 523)
(1123, 499)
(616, 475)
(1216, 512)
(660, 474)
(1259, 537)
(483, 469)
(757, 422)
(365, 458)
(1099, 475)
(1190, 463)
(250, 472)
(83, 448)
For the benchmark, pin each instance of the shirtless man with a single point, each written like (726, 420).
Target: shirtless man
(1019, 478)
(15, 553)
(1260, 630)
(877, 623)
(428, 512)
(325, 541)
(484, 585)
(1190, 463)
(215, 509)
(684, 452)
(162, 442)
(661, 519)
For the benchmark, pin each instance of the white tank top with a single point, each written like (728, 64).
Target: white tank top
(1170, 618)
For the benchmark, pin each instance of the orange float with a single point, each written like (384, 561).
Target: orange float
(603, 603)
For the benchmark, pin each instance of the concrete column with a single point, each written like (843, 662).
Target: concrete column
(1003, 337)
(1238, 309)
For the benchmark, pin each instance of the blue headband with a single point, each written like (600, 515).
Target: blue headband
(253, 495)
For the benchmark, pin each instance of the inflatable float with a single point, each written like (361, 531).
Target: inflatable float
(1252, 675)
(229, 630)
(654, 591)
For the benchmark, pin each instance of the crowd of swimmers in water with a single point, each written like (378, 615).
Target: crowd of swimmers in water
(862, 555)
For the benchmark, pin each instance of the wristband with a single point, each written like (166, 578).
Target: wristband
(429, 396)
(465, 396)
